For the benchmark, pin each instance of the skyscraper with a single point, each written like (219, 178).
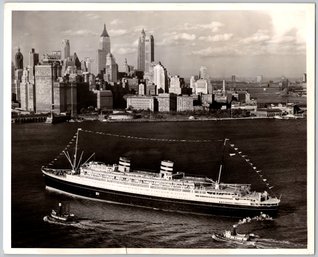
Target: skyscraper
(33, 58)
(111, 69)
(141, 51)
(66, 49)
(18, 75)
(18, 60)
(160, 78)
(146, 54)
(104, 49)
(175, 85)
(149, 52)
(27, 93)
(192, 84)
(203, 73)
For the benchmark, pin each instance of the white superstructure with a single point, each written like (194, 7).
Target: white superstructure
(165, 184)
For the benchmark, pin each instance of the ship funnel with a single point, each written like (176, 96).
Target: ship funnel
(166, 169)
(124, 164)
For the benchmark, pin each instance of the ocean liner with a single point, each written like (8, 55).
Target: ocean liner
(166, 189)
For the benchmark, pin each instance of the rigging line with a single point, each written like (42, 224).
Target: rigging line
(79, 162)
(152, 139)
(68, 158)
(254, 169)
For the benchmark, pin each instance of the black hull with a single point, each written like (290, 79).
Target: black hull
(156, 202)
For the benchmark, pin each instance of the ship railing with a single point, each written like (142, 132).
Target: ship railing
(196, 177)
(58, 171)
(237, 186)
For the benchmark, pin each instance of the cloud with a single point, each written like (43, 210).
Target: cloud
(259, 36)
(174, 38)
(116, 22)
(80, 32)
(117, 32)
(217, 38)
(282, 39)
(184, 36)
(283, 22)
(125, 50)
(139, 28)
(135, 43)
(218, 51)
(92, 16)
(214, 26)
(262, 42)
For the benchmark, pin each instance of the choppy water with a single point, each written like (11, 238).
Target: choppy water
(277, 147)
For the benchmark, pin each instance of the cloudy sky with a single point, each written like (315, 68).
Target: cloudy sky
(244, 43)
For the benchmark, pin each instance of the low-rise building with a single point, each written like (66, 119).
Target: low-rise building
(201, 87)
(238, 106)
(151, 89)
(104, 99)
(167, 102)
(141, 102)
(267, 112)
(120, 116)
(184, 103)
(133, 84)
(207, 99)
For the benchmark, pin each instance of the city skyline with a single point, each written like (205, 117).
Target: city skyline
(244, 43)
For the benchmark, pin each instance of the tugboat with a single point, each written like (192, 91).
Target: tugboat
(61, 216)
(234, 237)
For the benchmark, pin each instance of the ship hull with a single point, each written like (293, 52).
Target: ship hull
(156, 202)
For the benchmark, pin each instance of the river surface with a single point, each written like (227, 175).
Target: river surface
(277, 147)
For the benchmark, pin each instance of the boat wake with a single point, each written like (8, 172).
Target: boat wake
(265, 243)
(79, 223)
(261, 217)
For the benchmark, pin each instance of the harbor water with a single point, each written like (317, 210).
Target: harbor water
(276, 147)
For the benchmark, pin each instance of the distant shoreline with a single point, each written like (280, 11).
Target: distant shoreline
(189, 120)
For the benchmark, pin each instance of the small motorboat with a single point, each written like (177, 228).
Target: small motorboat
(234, 237)
(61, 216)
(263, 217)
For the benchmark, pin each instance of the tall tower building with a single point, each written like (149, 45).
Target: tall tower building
(104, 49)
(126, 67)
(160, 78)
(141, 51)
(33, 58)
(18, 75)
(175, 85)
(149, 52)
(18, 60)
(203, 73)
(88, 64)
(27, 93)
(192, 84)
(111, 70)
(66, 49)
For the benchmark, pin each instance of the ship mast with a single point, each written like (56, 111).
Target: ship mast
(76, 164)
(76, 144)
(221, 165)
